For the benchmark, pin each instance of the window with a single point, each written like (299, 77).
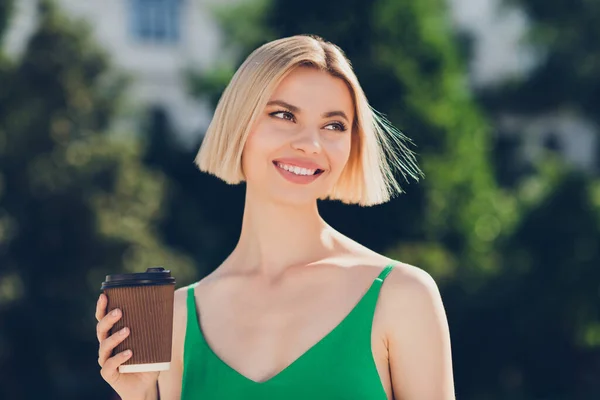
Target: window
(156, 21)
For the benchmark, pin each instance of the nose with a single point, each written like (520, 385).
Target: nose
(307, 141)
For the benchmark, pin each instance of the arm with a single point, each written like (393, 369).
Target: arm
(169, 382)
(418, 337)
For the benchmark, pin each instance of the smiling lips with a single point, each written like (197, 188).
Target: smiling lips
(298, 171)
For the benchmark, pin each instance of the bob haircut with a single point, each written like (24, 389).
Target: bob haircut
(377, 148)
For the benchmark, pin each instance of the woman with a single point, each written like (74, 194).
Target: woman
(298, 310)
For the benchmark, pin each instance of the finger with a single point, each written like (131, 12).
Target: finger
(107, 345)
(110, 371)
(103, 327)
(101, 307)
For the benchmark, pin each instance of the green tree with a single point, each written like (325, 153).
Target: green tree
(534, 328)
(5, 11)
(546, 303)
(75, 204)
(564, 33)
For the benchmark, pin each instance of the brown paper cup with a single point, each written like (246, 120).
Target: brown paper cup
(146, 303)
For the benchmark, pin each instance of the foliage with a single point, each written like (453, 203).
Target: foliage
(75, 205)
(564, 33)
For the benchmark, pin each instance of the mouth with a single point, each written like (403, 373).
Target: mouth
(299, 171)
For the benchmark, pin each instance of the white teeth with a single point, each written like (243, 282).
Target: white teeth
(297, 170)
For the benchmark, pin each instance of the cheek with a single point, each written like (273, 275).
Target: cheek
(250, 155)
(263, 138)
(259, 145)
(339, 153)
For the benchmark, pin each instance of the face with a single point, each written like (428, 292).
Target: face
(299, 146)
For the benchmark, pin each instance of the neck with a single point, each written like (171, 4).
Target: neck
(276, 236)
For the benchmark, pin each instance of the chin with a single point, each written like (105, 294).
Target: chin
(285, 193)
(295, 198)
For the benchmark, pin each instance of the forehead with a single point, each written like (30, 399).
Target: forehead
(313, 90)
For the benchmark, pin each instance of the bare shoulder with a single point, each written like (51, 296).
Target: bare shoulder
(409, 296)
(409, 291)
(179, 321)
(180, 303)
(406, 280)
(169, 382)
(405, 286)
(181, 296)
(417, 334)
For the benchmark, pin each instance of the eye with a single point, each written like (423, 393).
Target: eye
(339, 126)
(283, 115)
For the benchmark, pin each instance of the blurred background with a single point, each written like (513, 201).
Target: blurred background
(103, 105)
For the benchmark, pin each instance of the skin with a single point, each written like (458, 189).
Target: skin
(291, 277)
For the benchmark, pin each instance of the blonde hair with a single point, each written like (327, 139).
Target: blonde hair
(377, 148)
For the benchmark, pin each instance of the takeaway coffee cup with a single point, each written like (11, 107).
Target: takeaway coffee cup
(146, 302)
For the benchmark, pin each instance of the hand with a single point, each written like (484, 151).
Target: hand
(130, 385)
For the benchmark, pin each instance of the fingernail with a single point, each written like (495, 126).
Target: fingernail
(127, 353)
(123, 331)
(115, 312)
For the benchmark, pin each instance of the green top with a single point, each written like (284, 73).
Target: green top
(339, 366)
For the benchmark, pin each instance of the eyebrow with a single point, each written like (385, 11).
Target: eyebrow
(295, 109)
